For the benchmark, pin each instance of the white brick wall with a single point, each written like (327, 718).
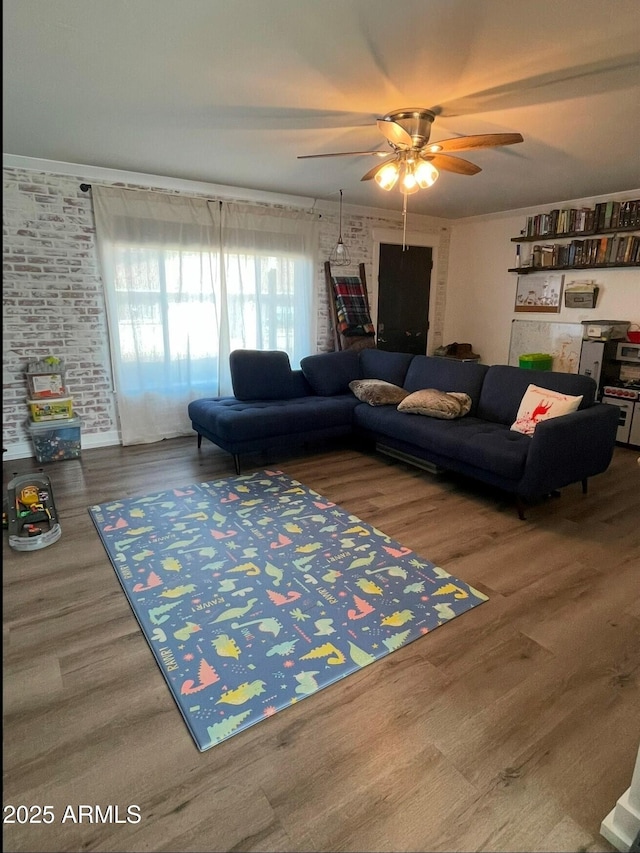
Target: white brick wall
(53, 298)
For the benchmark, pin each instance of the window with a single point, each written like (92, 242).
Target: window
(187, 282)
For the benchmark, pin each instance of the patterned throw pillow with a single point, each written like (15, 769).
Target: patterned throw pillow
(540, 404)
(377, 392)
(436, 404)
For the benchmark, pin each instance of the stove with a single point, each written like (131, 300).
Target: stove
(623, 390)
(626, 395)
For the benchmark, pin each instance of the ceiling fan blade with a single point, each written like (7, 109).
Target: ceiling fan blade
(373, 172)
(395, 134)
(453, 164)
(341, 154)
(482, 140)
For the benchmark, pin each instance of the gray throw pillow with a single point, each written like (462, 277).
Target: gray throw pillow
(436, 404)
(377, 392)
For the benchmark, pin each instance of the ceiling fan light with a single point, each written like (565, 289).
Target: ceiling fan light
(387, 176)
(409, 182)
(426, 174)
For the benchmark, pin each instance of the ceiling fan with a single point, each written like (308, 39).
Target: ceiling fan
(414, 161)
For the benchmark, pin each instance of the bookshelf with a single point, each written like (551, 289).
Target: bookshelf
(601, 237)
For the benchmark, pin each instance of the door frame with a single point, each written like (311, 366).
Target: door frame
(412, 238)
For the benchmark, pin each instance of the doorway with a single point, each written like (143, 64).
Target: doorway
(404, 283)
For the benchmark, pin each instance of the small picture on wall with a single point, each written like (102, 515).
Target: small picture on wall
(540, 293)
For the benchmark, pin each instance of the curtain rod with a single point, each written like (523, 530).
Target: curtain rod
(86, 187)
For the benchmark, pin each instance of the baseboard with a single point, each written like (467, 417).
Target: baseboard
(24, 449)
(622, 825)
(411, 460)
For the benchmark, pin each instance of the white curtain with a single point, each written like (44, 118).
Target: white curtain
(186, 282)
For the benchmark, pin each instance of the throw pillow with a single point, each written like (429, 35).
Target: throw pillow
(377, 392)
(540, 404)
(436, 404)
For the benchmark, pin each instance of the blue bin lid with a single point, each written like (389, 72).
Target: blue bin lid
(57, 423)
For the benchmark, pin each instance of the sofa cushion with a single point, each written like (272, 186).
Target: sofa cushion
(468, 440)
(261, 375)
(494, 447)
(380, 364)
(436, 404)
(540, 404)
(446, 374)
(504, 387)
(377, 392)
(330, 373)
(235, 421)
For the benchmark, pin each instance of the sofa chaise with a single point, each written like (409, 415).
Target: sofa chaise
(275, 408)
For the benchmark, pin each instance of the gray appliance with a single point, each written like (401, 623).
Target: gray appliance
(598, 359)
(624, 392)
(627, 398)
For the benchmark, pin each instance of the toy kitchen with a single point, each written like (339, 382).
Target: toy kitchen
(610, 353)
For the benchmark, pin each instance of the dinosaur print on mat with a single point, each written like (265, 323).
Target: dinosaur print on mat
(254, 592)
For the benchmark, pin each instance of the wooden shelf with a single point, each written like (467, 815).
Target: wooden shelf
(531, 270)
(572, 235)
(596, 245)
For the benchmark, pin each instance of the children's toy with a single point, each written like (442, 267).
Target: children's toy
(46, 378)
(31, 510)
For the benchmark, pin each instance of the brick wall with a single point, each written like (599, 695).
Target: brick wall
(54, 304)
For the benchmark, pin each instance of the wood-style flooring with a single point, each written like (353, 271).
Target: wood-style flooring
(514, 727)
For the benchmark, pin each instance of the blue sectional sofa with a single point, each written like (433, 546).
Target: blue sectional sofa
(275, 408)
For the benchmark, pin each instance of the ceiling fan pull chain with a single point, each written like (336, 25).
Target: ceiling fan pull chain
(404, 222)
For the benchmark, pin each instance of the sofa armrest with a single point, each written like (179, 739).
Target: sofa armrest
(569, 449)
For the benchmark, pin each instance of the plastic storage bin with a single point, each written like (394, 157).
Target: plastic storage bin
(536, 361)
(53, 409)
(46, 379)
(56, 440)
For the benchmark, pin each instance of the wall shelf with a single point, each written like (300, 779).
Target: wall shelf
(604, 237)
(571, 235)
(531, 270)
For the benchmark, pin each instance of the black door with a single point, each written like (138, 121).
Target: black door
(404, 280)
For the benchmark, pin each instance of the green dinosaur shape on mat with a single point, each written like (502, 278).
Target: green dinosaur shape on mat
(274, 572)
(219, 731)
(363, 561)
(444, 611)
(283, 649)
(306, 682)
(158, 615)
(359, 655)
(234, 612)
(396, 640)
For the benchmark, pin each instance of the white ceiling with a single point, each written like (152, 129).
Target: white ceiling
(231, 91)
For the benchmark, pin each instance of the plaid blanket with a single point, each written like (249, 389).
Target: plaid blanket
(351, 306)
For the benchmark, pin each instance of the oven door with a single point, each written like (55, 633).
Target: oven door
(626, 414)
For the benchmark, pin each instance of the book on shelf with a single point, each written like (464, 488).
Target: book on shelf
(617, 249)
(604, 216)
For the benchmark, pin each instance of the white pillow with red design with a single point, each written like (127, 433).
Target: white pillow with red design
(540, 404)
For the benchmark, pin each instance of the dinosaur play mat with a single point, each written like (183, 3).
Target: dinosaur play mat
(254, 592)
